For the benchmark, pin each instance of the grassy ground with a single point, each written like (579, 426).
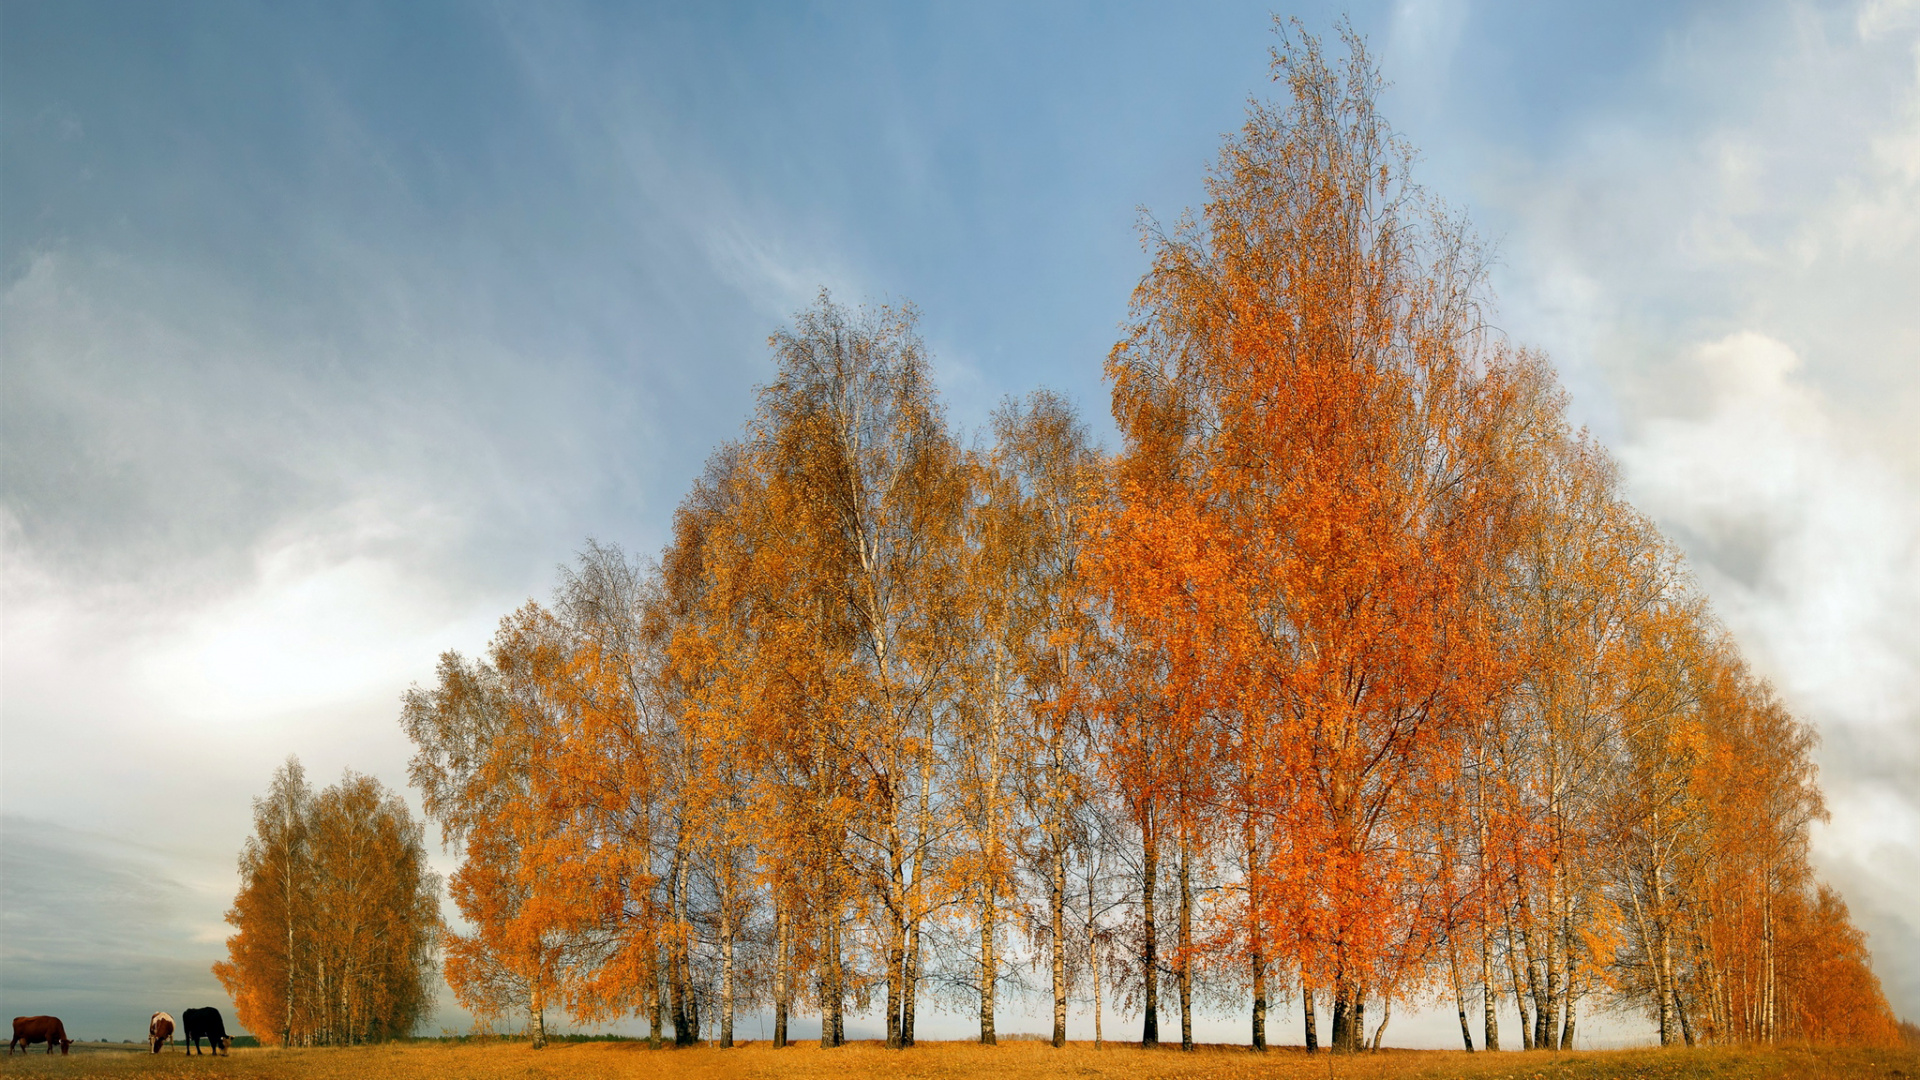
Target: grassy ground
(1013, 1061)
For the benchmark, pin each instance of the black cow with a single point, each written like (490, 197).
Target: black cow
(28, 1030)
(206, 1023)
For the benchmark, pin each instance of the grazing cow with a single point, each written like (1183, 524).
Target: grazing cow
(199, 1023)
(28, 1030)
(160, 1030)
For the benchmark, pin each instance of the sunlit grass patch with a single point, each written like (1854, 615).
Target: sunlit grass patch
(1021, 1060)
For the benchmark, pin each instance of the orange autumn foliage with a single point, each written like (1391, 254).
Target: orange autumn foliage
(1352, 678)
(337, 920)
(1308, 505)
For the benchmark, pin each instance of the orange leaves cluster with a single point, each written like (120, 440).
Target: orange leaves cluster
(1310, 509)
(1392, 634)
(337, 919)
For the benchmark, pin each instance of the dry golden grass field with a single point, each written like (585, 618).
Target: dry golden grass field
(942, 1061)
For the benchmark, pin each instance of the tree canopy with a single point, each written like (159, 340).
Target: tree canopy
(1350, 678)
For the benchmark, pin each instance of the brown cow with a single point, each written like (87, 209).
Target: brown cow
(28, 1030)
(160, 1030)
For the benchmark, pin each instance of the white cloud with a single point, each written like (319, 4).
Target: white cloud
(1810, 549)
(319, 627)
(769, 271)
(1877, 17)
(1422, 39)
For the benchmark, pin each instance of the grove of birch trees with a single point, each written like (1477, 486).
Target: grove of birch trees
(1349, 681)
(337, 919)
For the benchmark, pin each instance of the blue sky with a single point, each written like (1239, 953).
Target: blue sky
(327, 331)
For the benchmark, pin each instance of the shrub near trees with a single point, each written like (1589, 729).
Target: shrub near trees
(338, 916)
(1349, 680)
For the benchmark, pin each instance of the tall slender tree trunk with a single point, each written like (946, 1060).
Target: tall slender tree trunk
(1571, 996)
(896, 980)
(839, 979)
(1750, 1000)
(290, 891)
(1379, 1033)
(1256, 942)
(537, 1014)
(323, 992)
(286, 1032)
(1551, 1020)
(912, 974)
(1489, 998)
(1703, 946)
(680, 961)
(686, 952)
(1459, 992)
(900, 919)
(829, 902)
(898, 887)
(829, 962)
(652, 961)
(894, 907)
(726, 957)
(1569, 964)
(1766, 919)
(989, 964)
(782, 955)
(1536, 983)
(1566, 1029)
(1519, 992)
(677, 991)
(990, 848)
(924, 829)
(1186, 941)
(1306, 1007)
(1057, 905)
(1680, 1008)
(655, 1020)
(1149, 879)
(1093, 956)
(1654, 933)
(1489, 1001)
